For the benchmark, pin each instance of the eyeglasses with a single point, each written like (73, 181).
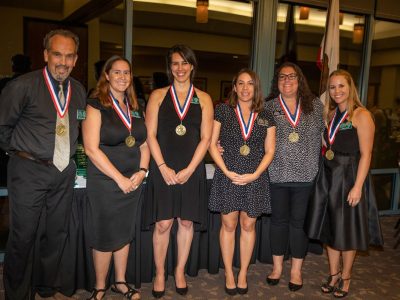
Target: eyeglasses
(291, 76)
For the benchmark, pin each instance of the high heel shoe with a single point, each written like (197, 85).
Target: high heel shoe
(328, 286)
(339, 292)
(181, 291)
(157, 294)
(293, 287)
(242, 291)
(272, 281)
(95, 291)
(231, 292)
(129, 293)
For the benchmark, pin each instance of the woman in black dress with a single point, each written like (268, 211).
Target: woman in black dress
(343, 212)
(114, 138)
(240, 189)
(179, 123)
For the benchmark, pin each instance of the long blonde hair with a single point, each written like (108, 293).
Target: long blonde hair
(352, 102)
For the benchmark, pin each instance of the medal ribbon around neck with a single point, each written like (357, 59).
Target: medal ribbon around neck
(181, 111)
(245, 128)
(125, 117)
(54, 96)
(294, 121)
(332, 130)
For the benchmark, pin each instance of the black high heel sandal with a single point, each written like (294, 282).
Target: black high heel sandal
(95, 291)
(339, 293)
(326, 287)
(131, 291)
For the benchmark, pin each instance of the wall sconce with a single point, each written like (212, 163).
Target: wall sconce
(304, 13)
(202, 11)
(358, 33)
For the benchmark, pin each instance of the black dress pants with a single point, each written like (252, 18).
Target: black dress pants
(36, 191)
(289, 208)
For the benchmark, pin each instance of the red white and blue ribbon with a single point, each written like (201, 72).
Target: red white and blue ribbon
(293, 119)
(334, 128)
(125, 117)
(245, 128)
(182, 110)
(61, 110)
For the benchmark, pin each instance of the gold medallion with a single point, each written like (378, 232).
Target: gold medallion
(244, 150)
(293, 137)
(329, 154)
(180, 130)
(130, 141)
(61, 130)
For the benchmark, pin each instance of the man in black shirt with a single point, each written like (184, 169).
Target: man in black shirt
(31, 109)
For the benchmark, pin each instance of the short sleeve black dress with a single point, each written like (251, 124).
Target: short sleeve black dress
(330, 218)
(111, 213)
(253, 198)
(187, 201)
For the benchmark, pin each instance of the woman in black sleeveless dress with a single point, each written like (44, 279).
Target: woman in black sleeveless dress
(343, 212)
(179, 123)
(114, 138)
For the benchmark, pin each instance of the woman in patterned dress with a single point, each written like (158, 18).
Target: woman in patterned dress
(240, 189)
(299, 125)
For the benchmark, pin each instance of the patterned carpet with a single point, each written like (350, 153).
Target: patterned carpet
(376, 275)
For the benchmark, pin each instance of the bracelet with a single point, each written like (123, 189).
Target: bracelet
(161, 164)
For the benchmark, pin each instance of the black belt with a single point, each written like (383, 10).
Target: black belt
(29, 156)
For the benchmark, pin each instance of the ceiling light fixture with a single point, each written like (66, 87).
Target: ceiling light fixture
(202, 11)
(304, 13)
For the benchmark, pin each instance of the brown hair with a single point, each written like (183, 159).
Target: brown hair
(102, 91)
(303, 92)
(257, 102)
(352, 102)
(187, 54)
(62, 32)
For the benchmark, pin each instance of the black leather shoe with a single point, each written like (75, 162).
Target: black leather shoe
(231, 292)
(157, 294)
(181, 291)
(242, 291)
(272, 281)
(294, 287)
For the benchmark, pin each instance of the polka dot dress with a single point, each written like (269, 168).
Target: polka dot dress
(253, 198)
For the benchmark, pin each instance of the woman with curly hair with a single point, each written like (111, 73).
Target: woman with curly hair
(299, 125)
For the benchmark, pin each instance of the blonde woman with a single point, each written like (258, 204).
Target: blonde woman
(343, 215)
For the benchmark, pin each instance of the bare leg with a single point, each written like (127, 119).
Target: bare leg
(101, 262)
(295, 272)
(184, 241)
(160, 246)
(348, 260)
(247, 240)
(334, 267)
(120, 262)
(277, 267)
(227, 242)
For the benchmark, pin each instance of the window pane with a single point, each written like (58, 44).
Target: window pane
(384, 94)
(307, 38)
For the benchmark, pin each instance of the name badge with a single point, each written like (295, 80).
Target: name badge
(345, 126)
(135, 114)
(195, 100)
(81, 114)
(262, 122)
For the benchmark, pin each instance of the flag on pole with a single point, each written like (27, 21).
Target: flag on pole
(328, 57)
(288, 49)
